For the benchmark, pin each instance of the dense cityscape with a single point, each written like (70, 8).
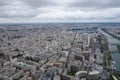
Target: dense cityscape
(60, 51)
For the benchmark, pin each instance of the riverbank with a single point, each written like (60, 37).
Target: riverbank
(111, 34)
(112, 42)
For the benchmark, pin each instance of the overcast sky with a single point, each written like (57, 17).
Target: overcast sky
(59, 11)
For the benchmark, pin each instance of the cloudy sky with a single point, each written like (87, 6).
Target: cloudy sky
(59, 11)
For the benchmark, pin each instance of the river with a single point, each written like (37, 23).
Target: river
(113, 48)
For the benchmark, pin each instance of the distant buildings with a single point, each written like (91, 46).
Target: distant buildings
(51, 52)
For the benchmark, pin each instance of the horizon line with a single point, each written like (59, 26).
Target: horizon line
(53, 22)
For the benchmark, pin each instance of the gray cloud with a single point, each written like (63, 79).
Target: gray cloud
(59, 10)
(95, 3)
(41, 3)
(4, 2)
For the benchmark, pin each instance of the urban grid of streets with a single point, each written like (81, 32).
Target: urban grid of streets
(62, 51)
